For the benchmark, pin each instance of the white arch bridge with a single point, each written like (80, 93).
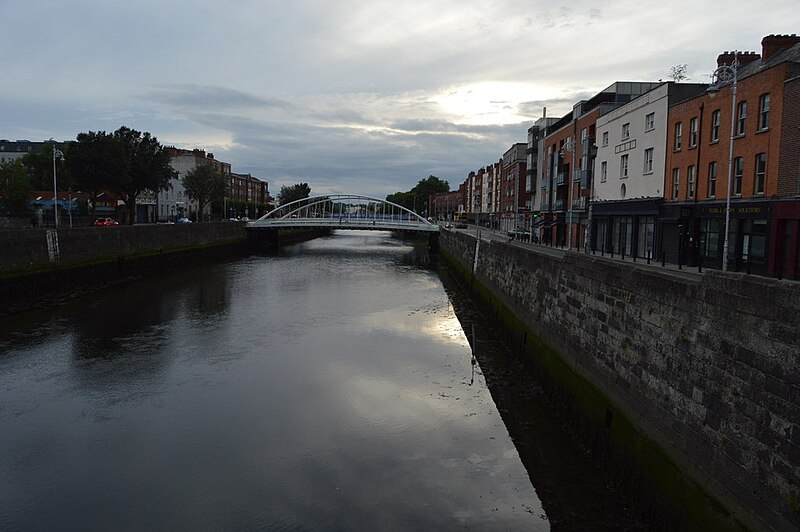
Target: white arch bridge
(344, 211)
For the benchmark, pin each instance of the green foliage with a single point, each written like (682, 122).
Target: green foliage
(293, 192)
(405, 199)
(96, 160)
(126, 162)
(39, 165)
(204, 184)
(146, 167)
(15, 187)
(416, 199)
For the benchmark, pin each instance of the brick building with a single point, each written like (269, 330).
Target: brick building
(515, 201)
(246, 196)
(764, 126)
(566, 173)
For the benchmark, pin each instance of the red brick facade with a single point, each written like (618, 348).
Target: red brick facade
(705, 150)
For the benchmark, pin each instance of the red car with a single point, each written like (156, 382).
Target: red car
(105, 222)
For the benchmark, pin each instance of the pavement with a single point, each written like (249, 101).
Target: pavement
(485, 234)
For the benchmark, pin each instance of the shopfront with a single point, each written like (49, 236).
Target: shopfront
(748, 235)
(625, 227)
(784, 256)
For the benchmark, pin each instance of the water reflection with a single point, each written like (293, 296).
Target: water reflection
(324, 387)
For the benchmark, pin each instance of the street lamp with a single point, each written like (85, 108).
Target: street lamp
(587, 244)
(721, 75)
(57, 154)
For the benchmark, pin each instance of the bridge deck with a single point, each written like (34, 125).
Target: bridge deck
(345, 223)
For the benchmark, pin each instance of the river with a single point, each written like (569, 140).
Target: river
(325, 386)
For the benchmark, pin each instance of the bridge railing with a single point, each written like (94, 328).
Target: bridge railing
(337, 208)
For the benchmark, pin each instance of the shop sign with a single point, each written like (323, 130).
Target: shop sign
(753, 210)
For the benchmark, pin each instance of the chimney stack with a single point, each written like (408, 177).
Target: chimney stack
(772, 44)
(726, 58)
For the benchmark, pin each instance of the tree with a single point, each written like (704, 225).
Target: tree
(678, 73)
(204, 184)
(96, 160)
(39, 165)
(293, 192)
(146, 164)
(15, 187)
(416, 199)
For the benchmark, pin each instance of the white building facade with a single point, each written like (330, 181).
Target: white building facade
(628, 173)
(173, 203)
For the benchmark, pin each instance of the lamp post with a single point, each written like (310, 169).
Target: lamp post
(57, 154)
(587, 244)
(721, 75)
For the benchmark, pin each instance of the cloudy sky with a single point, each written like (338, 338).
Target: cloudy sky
(358, 96)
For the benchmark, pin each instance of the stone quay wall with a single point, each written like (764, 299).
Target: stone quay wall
(39, 267)
(696, 378)
(33, 249)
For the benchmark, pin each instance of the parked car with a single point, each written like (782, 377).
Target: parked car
(183, 221)
(105, 221)
(519, 234)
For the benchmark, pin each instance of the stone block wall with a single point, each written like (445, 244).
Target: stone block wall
(704, 366)
(26, 250)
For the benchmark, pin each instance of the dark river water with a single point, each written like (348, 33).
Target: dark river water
(327, 386)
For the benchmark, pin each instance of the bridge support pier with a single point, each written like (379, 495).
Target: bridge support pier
(433, 242)
(262, 238)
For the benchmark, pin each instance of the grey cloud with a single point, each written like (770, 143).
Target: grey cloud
(205, 96)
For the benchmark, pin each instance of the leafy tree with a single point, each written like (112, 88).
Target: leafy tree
(404, 199)
(146, 164)
(678, 73)
(416, 199)
(96, 160)
(205, 184)
(15, 187)
(39, 165)
(293, 192)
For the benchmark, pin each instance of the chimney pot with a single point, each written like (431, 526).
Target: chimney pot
(772, 44)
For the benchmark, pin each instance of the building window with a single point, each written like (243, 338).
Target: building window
(690, 182)
(650, 121)
(763, 116)
(715, 126)
(741, 116)
(623, 166)
(622, 191)
(678, 135)
(676, 182)
(693, 132)
(648, 161)
(761, 173)
(738, 172)
(603, 171)
(712, 179)
(605, 138)
(626, 131)
(710, 229)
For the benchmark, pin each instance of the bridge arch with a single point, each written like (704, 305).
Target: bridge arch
(344, 211)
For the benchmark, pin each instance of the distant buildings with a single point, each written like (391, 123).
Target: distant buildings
(14, 150)
(246, 195)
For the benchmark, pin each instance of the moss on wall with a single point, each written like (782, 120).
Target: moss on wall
(651, 471)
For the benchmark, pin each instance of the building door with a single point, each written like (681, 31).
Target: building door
(789, 266)
(751, 250)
